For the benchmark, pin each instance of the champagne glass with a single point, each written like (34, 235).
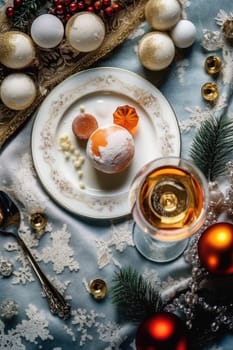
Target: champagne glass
(168, 199)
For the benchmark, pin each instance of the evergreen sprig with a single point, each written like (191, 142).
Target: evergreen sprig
(25, 12)
(135, 296)
(212, 147)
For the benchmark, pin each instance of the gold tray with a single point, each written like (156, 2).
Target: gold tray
(53, 66)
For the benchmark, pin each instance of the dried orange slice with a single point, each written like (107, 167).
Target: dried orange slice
(127, 117)
(84, 125)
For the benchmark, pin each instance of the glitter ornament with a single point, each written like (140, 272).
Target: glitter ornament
(162, 14)
(18, 91)
(215, 248)
(162, 331)
(156, 51)
(85, 31)
(47, 31)
(16, 50)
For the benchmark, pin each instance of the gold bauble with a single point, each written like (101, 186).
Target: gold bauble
(16, 50)
(156, 51)
(85, 32)
(17, 91)
(162, 14)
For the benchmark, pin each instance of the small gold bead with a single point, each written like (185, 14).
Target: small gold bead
(98, 288)
(38, 221)
(210, 92)
(213, 65)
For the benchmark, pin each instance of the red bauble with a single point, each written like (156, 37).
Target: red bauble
(10, 11)
(162, 331)
(215, 248)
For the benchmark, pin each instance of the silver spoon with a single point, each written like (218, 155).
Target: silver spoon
(10, 220)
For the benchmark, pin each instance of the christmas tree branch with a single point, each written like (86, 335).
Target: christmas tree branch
(212, 147)
(136, 297)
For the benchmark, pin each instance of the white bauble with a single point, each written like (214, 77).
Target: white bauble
(17, 50)
(85, 31)
(47, 31)
(183, 34)
(17, 91)
(156, 51)
(162, 14)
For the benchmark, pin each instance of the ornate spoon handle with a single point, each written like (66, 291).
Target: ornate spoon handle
(57, 303)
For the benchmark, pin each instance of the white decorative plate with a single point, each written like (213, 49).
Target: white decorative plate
(100, 91)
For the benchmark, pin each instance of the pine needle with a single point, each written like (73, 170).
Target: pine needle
(212, 147)
(136, 297)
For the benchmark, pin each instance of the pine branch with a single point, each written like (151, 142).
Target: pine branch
(136, 297)
(212, 147)
(25, 12)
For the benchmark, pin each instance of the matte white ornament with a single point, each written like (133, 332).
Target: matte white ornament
(183, 34)
(156, 51)
(162, 14)
(17, 50)
(47, 31)
(17, 91)
(85, 31)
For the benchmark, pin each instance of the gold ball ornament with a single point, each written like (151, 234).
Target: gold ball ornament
(17, 91)
(17, 50)
(156, 51)
(162, 14)
(85, 32)
(215, 248)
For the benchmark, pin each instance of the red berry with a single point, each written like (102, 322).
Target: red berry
(67, 2)
(10, 11)
(73, 7)
(60, 9)
(80, 6)
(57, 2)
(108, 11)
(90, 9)
(106, 3)
(17, 2)
(97, 5)
(116, 7)
(88, 2)
(67, 17)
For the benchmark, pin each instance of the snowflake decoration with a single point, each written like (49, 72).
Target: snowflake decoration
(84, 322)
(121, 238)
(60, 253)
(36, 326)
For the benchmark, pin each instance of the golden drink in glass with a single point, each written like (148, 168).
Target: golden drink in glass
(169, 198)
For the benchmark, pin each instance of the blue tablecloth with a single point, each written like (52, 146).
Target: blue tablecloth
(73, 251)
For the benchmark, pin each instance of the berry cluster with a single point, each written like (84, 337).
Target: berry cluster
(10, 10)
(64, 9)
